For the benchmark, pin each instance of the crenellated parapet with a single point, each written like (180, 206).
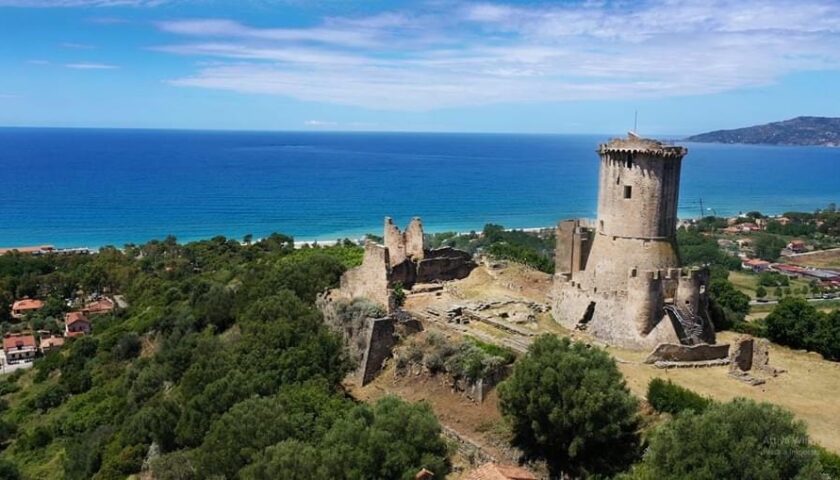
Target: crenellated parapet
(621, 276)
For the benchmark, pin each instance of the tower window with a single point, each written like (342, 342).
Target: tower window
(628, 191)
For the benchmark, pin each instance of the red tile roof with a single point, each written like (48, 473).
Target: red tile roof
(73, 317)
(38, 249)
(28, 304)
(18, 340)
(103, 305)
(494, 471)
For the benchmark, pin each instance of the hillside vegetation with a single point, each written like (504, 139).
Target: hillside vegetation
(823, 131)
(221, 366)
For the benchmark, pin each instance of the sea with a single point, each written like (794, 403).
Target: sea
(97, 187)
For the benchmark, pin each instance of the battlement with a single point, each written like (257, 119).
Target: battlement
(692, 273)
(638, 145)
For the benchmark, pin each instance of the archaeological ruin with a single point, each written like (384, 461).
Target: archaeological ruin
(619, 277)
(401, 262)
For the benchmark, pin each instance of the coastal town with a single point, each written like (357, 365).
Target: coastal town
(22, 343)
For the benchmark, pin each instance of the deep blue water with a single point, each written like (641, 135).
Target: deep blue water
(72, 187)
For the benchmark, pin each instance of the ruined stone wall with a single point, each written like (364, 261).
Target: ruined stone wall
(413, 238)
(574, 243)
(379, 345)
(370, 279)
(394, 242)
(444, 264)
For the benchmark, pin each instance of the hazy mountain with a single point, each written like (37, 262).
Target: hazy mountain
(824, 131)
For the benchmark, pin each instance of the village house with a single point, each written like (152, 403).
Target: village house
(755, 264)
(19, 347)
(36, 250)
(25, 305)
(99, 306)
(49, 341)
(76, 324)
(797, 246)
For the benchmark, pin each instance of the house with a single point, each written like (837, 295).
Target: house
(36, 250)
(98, 307)
(495, 471)
(19, 347)
(755, 264)
(76, 324)
(796, 246)
(25, 305)
(49, 341)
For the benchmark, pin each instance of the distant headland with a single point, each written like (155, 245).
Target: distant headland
(816, 131)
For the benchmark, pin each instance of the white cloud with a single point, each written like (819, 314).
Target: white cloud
(489, 53)
(90, 66)
(38, 62)
(8, 96)
(320, 123)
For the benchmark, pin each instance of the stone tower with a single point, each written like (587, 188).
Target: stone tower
(619, 278)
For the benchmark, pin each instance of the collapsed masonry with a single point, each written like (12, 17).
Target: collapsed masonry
(401, 262)
(619, 278)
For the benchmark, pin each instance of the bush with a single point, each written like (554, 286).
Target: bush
(127, 347)
(667, 397)
(798, 324)
(568, 403)
(51, 397)
(739, 439)
(9, 471)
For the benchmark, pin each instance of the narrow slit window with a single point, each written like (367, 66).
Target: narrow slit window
(628, 191)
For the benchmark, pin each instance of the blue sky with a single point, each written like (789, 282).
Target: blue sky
(437, 65)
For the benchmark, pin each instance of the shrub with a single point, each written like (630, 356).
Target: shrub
(568, 403)
(667, 397)
(739, 439)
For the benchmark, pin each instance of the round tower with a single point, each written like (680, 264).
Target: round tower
(639, 188)
(637, 211)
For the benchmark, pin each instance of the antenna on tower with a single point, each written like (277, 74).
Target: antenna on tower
(635, 121)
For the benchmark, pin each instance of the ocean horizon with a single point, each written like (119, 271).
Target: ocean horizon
(96, 187)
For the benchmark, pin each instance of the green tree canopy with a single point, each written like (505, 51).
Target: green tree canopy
(739, 439)
(568, 404)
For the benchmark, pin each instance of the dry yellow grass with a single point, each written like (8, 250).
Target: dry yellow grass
(808, 388)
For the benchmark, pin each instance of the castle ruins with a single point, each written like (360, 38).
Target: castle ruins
(619, 278)
(401, 261)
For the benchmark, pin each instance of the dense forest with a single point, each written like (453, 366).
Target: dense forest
(220, 366)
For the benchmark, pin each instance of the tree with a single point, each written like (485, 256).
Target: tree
(760, 292)
(290, 460)
(669, 397)
(768, 247)
(568, 403)
(393, 439)
(792, 322)
(739, 439)
(9, 471)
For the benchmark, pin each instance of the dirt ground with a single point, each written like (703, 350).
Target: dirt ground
(809, 387)
(821, 259)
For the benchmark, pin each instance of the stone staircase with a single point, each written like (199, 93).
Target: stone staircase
(692, 324)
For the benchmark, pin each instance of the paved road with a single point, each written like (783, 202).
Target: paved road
(815, 300)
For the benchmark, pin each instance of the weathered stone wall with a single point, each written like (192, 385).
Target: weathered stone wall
(380, 344)
(370, 279)
(638, 194)
(394, 242)
(444, 264)
(674, 352)
(413, 238)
